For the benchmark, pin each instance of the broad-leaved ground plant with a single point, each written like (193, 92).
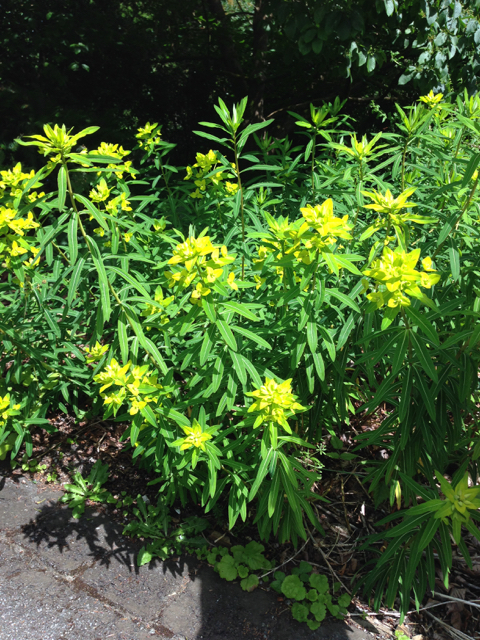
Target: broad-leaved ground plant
(236, 312)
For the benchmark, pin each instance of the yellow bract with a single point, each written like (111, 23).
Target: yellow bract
(271, 401)
(395, 271)
(432, 99)
(328, 227)
(196, 437)
(96, 352)
(386, 203)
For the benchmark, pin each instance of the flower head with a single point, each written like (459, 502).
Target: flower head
(195, 437)
(272, 400)
(95, 353)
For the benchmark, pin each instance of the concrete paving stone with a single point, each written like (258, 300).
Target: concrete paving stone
(21, 501)
(67, 579)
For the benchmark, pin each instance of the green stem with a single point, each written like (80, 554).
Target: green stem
(457, 221)
(237, 171)
(404, 155)
(313, 166)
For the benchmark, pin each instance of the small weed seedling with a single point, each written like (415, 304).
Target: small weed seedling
(82, 490)
(239, 563)
(311, 592)
(153, 522)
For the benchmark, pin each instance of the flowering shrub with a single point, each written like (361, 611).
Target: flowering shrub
(237, 328)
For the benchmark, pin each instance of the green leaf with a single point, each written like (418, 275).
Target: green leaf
(421, 321)
(131, 280)
(62, 187)
(144, 557)
(250, 583)
(312, 337)
(102, 278)
(227, 334)
(423, 355)
(347, 301)
(74, 281)
(239, 308)
(226, 568)
(252, 336)
(292, 587)
(454, 257)
(92, 209)
(72, 238)
(239, 367)
(123, 337)
(208, 344)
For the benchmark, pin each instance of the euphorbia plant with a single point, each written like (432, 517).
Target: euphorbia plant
(264, 318)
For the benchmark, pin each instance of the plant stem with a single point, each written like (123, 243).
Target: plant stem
(313, 166)
(457, 221)
(237, 171)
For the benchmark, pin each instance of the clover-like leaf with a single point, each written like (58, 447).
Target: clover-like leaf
(276, 585)
(305, 567)
(253, 556)
(250, 583)
(319, 611)
(333, 608)
(299, 612)
(242, 571)
(226, 568)
(313, 624)
(344, 600)
(292, 587)
(312, 595)
(319, 582)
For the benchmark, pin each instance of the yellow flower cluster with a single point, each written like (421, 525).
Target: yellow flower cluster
(196, 437)
(197, 268)
(398, 279)
(7, 409)
(96, 353)
(115, 151)
(161, 303)
(205, 164)
(272, 400)
(149, 136)
(432, 99)
(13, 241)
(318, 232)
(137, 386)
(328, 227)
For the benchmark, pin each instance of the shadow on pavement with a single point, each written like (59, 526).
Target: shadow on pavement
(178, 599)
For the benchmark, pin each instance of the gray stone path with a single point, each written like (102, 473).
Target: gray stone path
(66, 579)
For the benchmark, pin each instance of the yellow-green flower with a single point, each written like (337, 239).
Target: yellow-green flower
(328, 226)
(272, 400)
(431, 99)
(113, 373)
(101, 192)
(5, 409)
(460, 500)
(190, 251)
(386, 203)
(95, 353)
(395, 271)
(196, 437)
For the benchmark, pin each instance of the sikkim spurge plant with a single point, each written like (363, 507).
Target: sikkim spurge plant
(231, 331)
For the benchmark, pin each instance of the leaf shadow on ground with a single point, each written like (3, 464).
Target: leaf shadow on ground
(178, 598)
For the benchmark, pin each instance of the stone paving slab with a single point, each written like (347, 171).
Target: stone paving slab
(66, 579)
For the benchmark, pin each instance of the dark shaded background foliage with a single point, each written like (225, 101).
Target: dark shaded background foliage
(119, 63)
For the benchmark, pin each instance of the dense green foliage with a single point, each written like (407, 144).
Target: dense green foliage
(118, 63)
(237, 313)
